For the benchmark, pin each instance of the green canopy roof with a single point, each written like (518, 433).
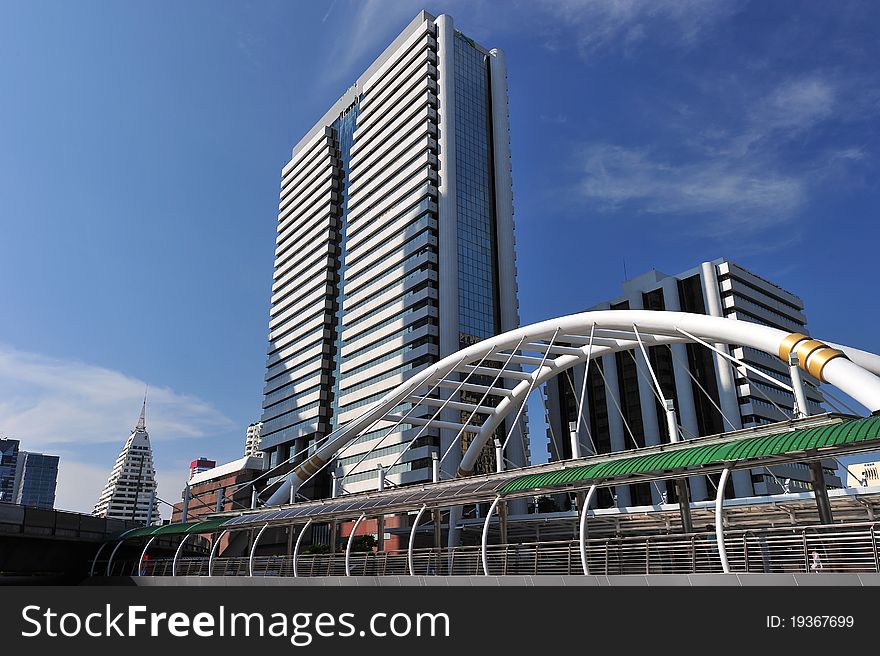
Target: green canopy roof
(748, 448)
(207, 526)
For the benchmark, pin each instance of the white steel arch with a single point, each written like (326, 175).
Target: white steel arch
(520, 360)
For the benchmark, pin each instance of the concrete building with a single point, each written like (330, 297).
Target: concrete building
(200, 465)
(215, 489)
(395, 247)
(130, 492)
(252, 440)
(710, 395)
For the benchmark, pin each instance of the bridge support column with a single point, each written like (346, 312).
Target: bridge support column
(254, 550)
(214, 548)
(486, 535)
(348, 546)
(719, 521)
(95, 559)
(177, 554)
(585, 508)
(681, 485)
(797, 384)
(296, 546)
(380, 520)
(817, 477)
(412, 539)
(143, 554)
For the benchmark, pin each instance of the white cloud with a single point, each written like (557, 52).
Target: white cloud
(735, 174)
(734, 194)
(49, 402)
(610, 24)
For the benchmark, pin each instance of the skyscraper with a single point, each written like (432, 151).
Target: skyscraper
(395, 247)
(8, 463)
(130, 489)
(27, 478)
(35, 479)
(709, 394)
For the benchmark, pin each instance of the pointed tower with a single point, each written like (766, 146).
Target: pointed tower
(130, 490)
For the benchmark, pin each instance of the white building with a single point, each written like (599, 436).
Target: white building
(130, 492)
(395, 247)
(709, 396)
(252, 440)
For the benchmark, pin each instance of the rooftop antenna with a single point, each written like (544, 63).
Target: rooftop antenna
(625, 277)
(142, 423)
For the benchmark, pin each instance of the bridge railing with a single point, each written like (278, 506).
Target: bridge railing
(838, 548)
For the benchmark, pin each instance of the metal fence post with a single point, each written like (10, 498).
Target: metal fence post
(606, 556)
(874, 547)
(647, 555)
(806, 551)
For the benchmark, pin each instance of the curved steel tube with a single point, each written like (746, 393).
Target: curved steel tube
(177, 554)
(296, 546)
(214, 551)
(486, 534)
(254, 549)
(350, 539)
(95, 559)
(143, 554)
(412, 539)
(583, 529)
(719, 520)
(853, 377)
(112, 554)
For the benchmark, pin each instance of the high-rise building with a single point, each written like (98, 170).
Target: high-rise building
(130, 492)
(8, 463)
(395, 247)
(200, 465)
(710, 395)
(252, 440)
(27, 478)
(35, 479)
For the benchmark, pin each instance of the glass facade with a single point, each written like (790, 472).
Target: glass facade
(343, 129)
(38, 474)
(477, 275)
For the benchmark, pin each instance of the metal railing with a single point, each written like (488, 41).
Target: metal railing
(837, 548)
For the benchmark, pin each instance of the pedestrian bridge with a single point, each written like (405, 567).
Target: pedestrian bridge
(481, 392)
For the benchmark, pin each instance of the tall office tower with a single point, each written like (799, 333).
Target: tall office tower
(130, 490)
(36, 476)
(252, 440)
(8, 463)
(710, 395)
(395, 247)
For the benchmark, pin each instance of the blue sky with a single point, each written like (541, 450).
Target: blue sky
(141, 145)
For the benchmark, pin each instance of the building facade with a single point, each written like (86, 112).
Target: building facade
(27, 478)
(217, 489)
(395, 247)
(252, 440)
(36, 477)
(130, 492)
(8, 464)
(710, 394)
